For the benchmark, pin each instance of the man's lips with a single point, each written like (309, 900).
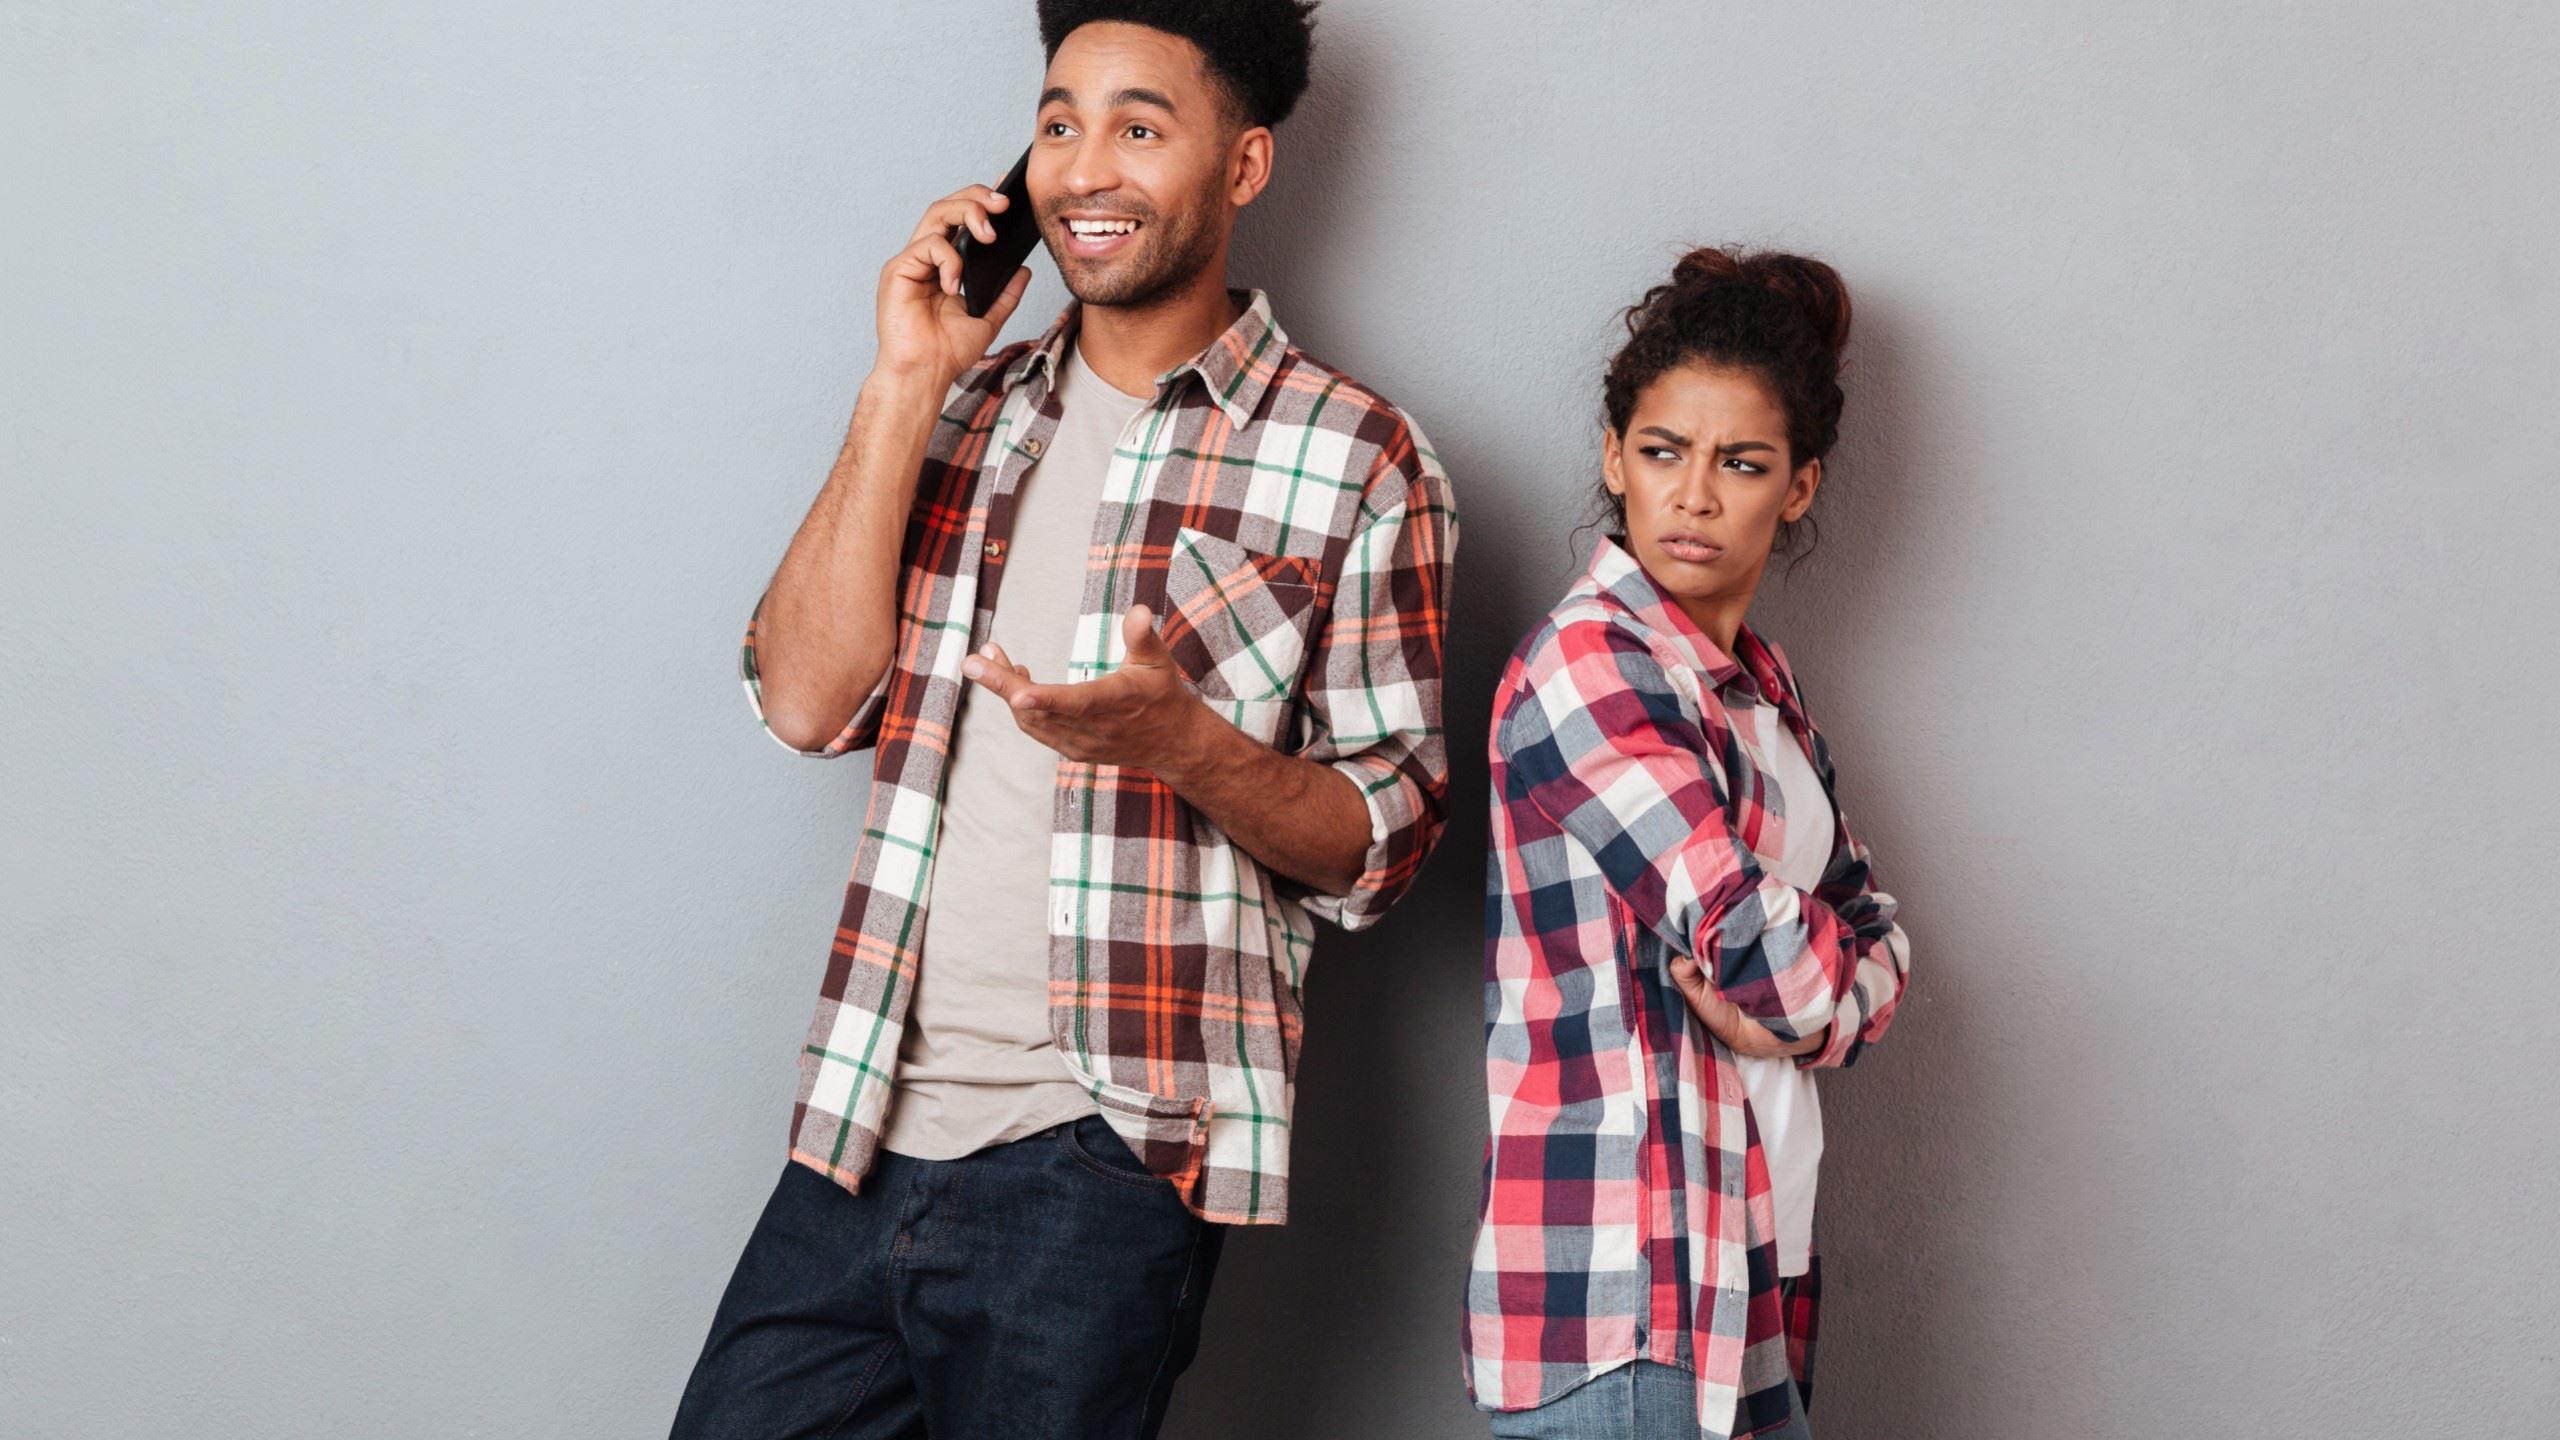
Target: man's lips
(1094, 235)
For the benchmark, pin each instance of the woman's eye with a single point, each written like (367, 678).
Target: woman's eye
(1745, 466)
(1656, 452)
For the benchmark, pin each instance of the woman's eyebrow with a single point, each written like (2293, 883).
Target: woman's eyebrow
(1740, 447)
(1674, 436)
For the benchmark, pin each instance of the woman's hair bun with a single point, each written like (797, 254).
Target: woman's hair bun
(1816, 288)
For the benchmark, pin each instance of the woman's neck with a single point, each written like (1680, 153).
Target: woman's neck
(1720, 616)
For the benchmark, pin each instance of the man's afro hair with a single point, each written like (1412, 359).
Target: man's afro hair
(1257, 49)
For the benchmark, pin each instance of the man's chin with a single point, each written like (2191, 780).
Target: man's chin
(1132, 283)
(1110, 286)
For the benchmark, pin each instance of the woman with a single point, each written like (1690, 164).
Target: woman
(1682, 927)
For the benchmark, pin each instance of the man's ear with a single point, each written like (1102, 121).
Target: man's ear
(1249, 166)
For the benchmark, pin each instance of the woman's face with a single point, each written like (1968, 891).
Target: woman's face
(1705, 474)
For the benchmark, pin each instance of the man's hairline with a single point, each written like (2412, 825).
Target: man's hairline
(1233, 100)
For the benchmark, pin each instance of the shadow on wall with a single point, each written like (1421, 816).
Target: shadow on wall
(1345, 1322)
(1904, 1344)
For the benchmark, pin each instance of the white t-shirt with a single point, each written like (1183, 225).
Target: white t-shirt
(1782, 1095)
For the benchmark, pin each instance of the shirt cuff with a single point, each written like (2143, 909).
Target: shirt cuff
(1397, 818)
(866, 716)
(1848, 1022)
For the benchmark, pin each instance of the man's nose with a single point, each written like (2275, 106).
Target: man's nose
(1089, 169)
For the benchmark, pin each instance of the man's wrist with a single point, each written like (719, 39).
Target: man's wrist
(900, 388)
(1196, 745)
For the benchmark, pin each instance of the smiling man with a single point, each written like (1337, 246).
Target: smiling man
(1143, 621)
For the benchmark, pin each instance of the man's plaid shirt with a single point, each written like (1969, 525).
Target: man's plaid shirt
(1630, 815)
(1294, 533)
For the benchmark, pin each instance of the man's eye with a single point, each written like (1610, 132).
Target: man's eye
(1054, 128)
(1142, 132)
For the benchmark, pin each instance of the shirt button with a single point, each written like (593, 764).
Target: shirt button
(1031, 447)
(995, 550)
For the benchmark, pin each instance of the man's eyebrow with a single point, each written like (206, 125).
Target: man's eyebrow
(1061, 95)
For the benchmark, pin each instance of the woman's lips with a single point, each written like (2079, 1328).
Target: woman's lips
(1691, 549)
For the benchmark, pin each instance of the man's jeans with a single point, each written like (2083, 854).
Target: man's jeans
(1050, 1287)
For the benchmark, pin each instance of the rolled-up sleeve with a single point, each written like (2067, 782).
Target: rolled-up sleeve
(860, 734)
(1372, 692)
(1882, 954)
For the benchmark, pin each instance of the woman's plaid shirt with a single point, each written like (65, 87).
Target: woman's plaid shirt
(1294, 532)
(1630, 813)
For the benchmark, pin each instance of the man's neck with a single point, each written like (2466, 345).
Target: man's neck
(1129, 348)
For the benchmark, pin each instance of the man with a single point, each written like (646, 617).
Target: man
(1144, 622)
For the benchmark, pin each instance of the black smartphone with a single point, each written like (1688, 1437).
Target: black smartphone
(986, 265)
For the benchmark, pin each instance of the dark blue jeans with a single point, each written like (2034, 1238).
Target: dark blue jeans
(1050, 1287)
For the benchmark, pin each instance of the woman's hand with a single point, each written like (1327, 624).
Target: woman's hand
(1740, 1033)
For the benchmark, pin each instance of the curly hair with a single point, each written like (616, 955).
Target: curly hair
(1783, 318)
(1257, 50)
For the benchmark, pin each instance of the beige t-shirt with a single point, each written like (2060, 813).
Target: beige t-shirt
(977, 1066)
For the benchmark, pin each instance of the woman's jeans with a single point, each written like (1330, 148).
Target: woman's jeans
(1643, 1400)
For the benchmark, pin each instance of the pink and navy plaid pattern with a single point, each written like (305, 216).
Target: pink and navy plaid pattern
(1630, 818)
(1294, 532)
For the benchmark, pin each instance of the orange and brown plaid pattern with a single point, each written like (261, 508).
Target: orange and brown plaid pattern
(1294, 532)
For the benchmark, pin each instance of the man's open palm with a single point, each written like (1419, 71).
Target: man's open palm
(1142, 715)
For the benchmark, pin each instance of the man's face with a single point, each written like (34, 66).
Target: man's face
(1132, 170)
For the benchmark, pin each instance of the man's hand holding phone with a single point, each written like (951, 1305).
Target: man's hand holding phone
(926, 331)
(828, 627)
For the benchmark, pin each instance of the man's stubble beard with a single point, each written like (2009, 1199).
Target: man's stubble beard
(1135, 287)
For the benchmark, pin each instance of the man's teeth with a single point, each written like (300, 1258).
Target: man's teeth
(1096, 229)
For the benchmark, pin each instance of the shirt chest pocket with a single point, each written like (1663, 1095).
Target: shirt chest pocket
(1238, 623)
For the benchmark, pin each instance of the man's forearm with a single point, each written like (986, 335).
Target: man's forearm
(1305, 820)
(829, 626)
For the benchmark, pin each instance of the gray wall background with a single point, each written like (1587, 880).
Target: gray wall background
(407, 935)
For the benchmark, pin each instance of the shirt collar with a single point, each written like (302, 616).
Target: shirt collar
(1237, 367)
(1618, 574)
